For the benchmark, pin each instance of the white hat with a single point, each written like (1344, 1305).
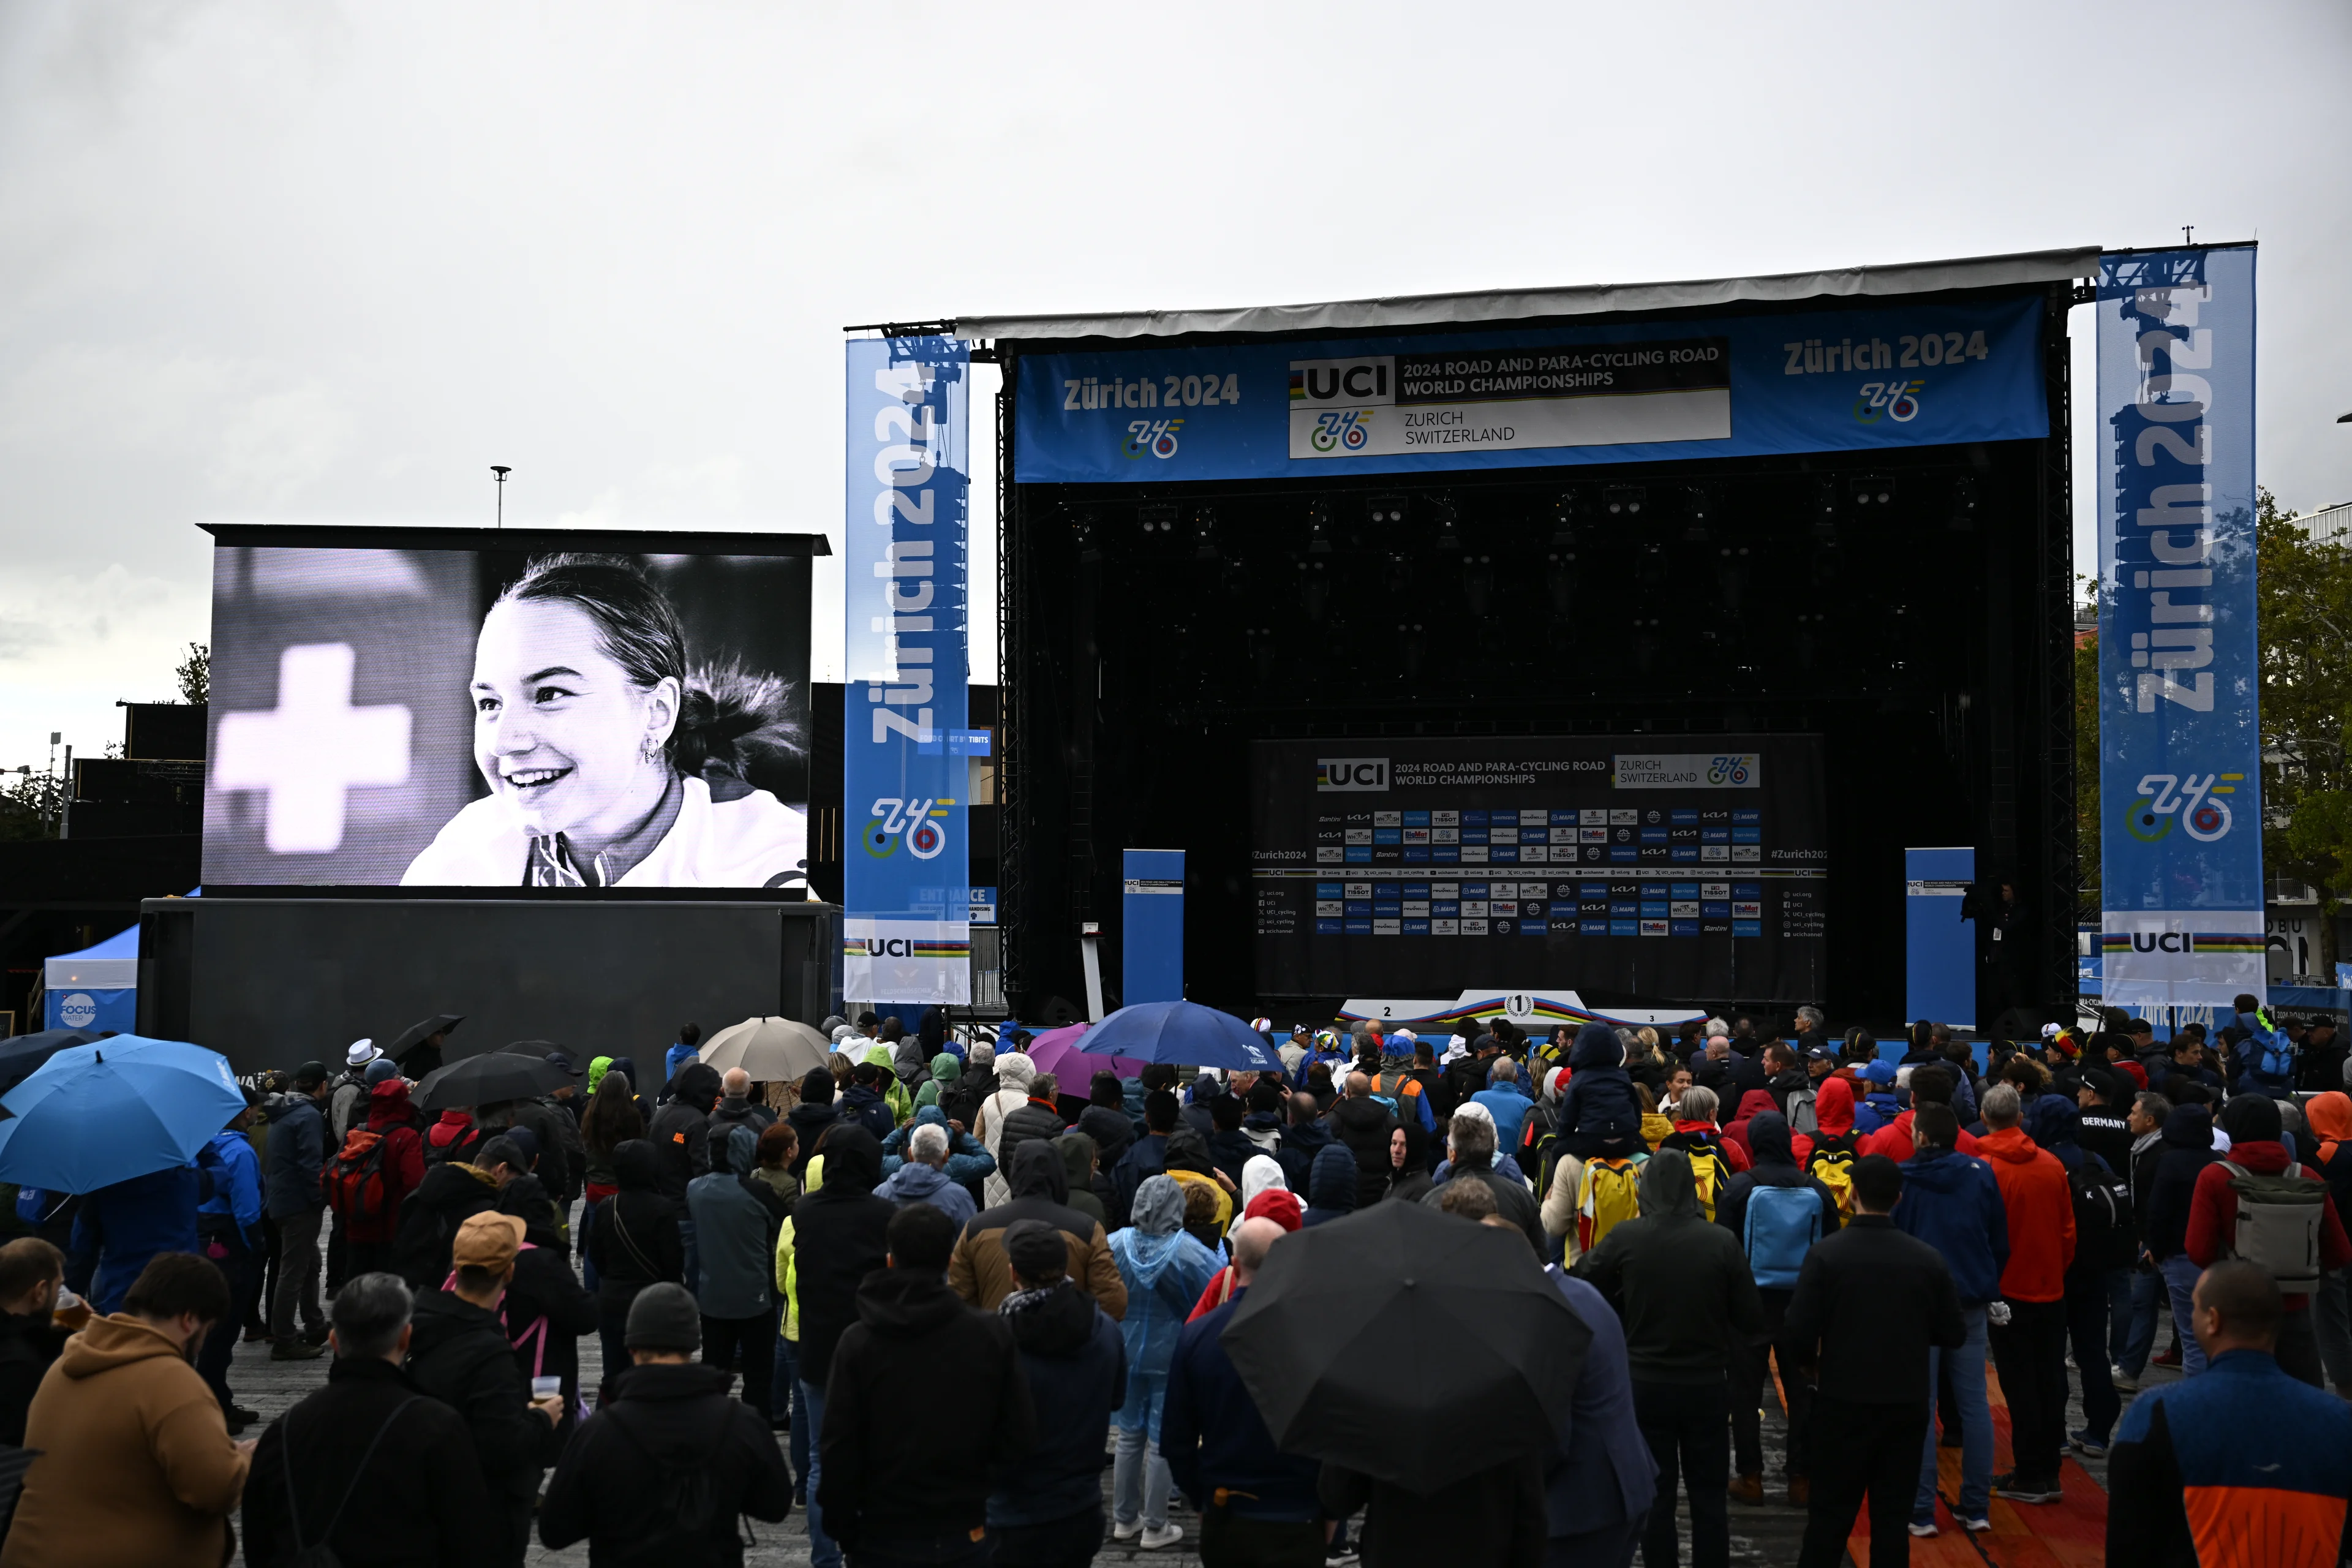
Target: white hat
(361, 1053)
(2050, 1031)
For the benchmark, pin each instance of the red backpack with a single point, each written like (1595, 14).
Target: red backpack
(354, 1177)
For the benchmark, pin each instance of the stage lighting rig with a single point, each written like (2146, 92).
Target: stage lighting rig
(1624, 501)
(1566, 508)
(1872, 489)
(1204, 529)
(1964, 505)
(1825, 513)
(1449, 542)
(1082, 531)
(1156, 519)
(1386, 508)
(1319, 529)
(1698, 514)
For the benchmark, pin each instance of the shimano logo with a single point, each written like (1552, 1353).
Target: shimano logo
(1337, 775)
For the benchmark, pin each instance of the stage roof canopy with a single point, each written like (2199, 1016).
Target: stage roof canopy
(1521, 304)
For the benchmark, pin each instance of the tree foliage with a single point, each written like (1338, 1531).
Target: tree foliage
(194, 674)
(2304, 605)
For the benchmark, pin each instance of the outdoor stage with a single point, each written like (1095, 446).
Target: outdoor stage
(1838, 542)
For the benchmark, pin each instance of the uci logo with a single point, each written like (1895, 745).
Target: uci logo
(889, 947)
(1319, 382)
(2165, 798)
(1336, 775)
(913, 824)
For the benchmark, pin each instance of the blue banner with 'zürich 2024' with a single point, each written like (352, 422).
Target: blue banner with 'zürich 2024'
(907, 660)
(2180, 840)
(1912, 374)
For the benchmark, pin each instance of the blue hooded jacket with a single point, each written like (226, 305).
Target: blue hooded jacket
(120, 1229)
(236, 1171)
(1951, 1202)
(1330, 1185)
(1600, 1106)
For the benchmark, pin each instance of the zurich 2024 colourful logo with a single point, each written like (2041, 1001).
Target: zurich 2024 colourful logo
(2191, 800)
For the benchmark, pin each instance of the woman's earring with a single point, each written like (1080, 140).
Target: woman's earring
(650, 749)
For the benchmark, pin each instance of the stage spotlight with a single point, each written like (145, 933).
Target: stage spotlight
(1159, 519)
(1698, 515)
(1872, 489)
(1624, 501)
(1386, 508)
(1565, 510)
(1448, 540)
(1964, 505)
(1204, 527)
(1825, 510)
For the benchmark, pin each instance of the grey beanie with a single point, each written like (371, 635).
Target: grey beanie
(664, 1316)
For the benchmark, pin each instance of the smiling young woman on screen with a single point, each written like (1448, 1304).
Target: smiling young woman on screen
(610, 761)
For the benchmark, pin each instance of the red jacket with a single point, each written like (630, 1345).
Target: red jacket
(404, 1161)
(1896, 1142)
(1735, 1155)
(2041, 1214)
(2213, 1210)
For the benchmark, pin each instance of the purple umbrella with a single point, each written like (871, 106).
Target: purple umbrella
(1056, 1052)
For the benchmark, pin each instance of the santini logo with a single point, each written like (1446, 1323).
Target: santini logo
(1333, 774)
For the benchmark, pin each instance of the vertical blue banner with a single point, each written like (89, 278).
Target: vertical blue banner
(2180, 842)
(908, 656)
(1939, 947)
(1151, 940)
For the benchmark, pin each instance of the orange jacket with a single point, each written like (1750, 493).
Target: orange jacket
(2041, 1214)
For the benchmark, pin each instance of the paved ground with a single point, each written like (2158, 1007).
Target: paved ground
(1769, 1535)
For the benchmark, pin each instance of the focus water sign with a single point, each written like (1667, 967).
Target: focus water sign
(2179, 742)
(1728, 386)
(906, 653)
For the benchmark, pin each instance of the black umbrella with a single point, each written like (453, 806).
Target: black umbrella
(1380, 1341)
(542, 1049)
(489, 1079)
(22, 1055)
(417, 1034)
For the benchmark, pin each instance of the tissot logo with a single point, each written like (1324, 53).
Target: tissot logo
(1333, 774)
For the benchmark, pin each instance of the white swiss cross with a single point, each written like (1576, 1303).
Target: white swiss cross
(310, 750)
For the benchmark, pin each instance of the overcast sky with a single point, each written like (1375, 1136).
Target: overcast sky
(303, 262)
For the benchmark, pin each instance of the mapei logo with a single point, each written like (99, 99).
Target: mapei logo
(2192, 802)
(1157, 437)
(911, 823)
(1727, 770)
(1895, 400)
(1335, 775)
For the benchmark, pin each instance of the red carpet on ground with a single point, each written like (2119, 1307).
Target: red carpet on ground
(2072, 1533)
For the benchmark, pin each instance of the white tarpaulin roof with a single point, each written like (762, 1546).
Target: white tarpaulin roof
(1519, 304)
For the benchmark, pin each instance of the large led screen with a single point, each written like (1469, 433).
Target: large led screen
(497, 717)
(1681, 867)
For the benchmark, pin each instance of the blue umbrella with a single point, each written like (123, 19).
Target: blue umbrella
(123, 1108)
(1184, 1033)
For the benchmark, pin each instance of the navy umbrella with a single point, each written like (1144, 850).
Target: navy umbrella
(22, 1055)
(1184, 1033)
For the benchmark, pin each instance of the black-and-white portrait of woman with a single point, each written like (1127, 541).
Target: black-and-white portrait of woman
(611, 760)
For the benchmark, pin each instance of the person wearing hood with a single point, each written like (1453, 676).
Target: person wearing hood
(120, 1226)
(888, 1500)
(895, 1095)
(946, 1072)
(812, 1116)
(2029, 1350)
(1874, 1305)
(734, 1246)
(1205, 1092)
(2186, 1141)
(451, 1192)
(1363, 1124)
(458, 1354)
(371, 1226)
(1735, 1131)
(1229, 1148)
(2098, 1279)
(228, 1225)
(635, 1243)
(1105, 1120)
(1049, 1512)
(2253, 1123)
(1773, 1237)
(680, 1130)
(1953, 1204)
(1013, 1074)
(1689, 1299)
(682, 1052)
(1186, 1161)
(662, 1413)
(1279, 1205)
(1162, 1272)
(1331, 1187)
(137, 1469)
(292, 1197)
(1834, 1146)
(973, 1088)
(1408, 1173)
(1145, 1158)
(1084, 1171)
(1599, 1112)
(837, 1236)
(1039, 1188)
(923, 1176)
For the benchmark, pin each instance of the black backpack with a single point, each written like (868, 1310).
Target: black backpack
(319, 1554)
(2106, 1233)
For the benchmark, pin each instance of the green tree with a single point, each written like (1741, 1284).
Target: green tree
(2304, 605)
(196, 674)
(2086, 776)
(29, 805)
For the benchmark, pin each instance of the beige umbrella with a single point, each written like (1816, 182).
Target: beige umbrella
(773, 1050)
